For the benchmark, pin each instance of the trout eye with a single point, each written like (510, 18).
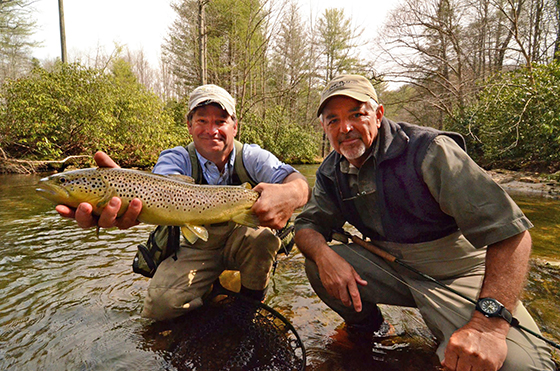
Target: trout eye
(62, 180)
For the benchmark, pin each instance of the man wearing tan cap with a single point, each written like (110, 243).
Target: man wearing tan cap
(214, 157)
(414, 192)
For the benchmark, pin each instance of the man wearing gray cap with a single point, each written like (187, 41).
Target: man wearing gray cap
(215, 158)
(414, 192)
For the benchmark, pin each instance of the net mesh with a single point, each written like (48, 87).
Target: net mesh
(233, 333)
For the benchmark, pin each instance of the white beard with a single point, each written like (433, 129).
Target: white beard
(354, 152)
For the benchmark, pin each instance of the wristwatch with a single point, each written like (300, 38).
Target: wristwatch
(493, 308)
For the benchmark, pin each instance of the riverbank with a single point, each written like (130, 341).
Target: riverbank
(526, 183)
(15, 166)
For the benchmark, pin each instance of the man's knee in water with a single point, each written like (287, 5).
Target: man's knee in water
(164, 304)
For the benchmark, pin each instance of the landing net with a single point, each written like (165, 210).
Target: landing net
(235, 333)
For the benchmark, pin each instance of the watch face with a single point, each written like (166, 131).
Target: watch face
(489, 306)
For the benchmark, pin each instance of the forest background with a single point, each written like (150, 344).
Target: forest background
(489, 69)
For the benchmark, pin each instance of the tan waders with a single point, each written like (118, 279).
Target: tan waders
(179, 285)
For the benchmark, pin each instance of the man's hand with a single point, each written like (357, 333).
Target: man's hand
(479, 345)
(277, 202)
(270, 207)
(337, 276)
(108, 218)
(340, 279)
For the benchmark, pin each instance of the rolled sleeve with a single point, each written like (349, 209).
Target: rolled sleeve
(263, 166)
(173, 161)
(484, 212)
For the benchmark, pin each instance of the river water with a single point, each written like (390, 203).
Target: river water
(70, 301)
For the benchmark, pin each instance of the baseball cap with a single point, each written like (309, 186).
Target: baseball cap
(353, 86)
(206, 94)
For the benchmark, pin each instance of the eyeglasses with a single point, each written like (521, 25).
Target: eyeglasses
(358, 195)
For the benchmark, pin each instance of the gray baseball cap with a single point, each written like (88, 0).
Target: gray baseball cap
(206, 94)
(353, 86)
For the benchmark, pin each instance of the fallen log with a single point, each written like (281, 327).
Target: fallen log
(14, 166)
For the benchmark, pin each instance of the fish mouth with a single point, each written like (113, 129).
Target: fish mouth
(51, 191)
(45, 192)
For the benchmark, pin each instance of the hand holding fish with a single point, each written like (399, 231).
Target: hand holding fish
(108, 219)
(84, 212)
(277, 202)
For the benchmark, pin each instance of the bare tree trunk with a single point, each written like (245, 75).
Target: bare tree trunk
(557, 42)
(502, 47)
(202, 48)
(534, 49)
(62, 31)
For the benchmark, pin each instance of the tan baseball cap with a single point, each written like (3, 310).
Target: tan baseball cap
(353, 86)
(206, 94)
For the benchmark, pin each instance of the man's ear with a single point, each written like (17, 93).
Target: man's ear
(321, 121)
(235, 127)
(379, 113)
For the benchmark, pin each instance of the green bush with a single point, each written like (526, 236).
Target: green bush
(288, 141)
(74, 110)
(516, 122)
(178, 131)
(77, 110)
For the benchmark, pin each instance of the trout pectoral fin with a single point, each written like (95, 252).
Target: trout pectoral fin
(247, 218)
(103, 202)
(190, 236)
(194, 232)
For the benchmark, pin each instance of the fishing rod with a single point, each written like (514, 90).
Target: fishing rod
(337, 235)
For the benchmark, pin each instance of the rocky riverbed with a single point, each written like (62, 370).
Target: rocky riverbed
(524, 183)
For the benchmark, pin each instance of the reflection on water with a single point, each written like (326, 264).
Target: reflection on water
(71, 301)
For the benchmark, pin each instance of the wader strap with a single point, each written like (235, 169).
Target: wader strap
(196, 169)
(240, 174)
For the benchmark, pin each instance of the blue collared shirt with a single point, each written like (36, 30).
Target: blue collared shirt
(261, 165)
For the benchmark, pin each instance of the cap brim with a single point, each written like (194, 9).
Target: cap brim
(357, 96)
(204, 102)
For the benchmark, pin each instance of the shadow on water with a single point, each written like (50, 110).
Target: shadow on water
(71, 301)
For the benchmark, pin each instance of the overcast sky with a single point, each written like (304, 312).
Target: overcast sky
(143, 24)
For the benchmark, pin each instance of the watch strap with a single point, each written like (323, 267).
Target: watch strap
(503, 313)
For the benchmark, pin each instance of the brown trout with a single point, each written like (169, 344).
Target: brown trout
(166, 200)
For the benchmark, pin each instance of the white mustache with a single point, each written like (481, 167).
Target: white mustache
(349, 137)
